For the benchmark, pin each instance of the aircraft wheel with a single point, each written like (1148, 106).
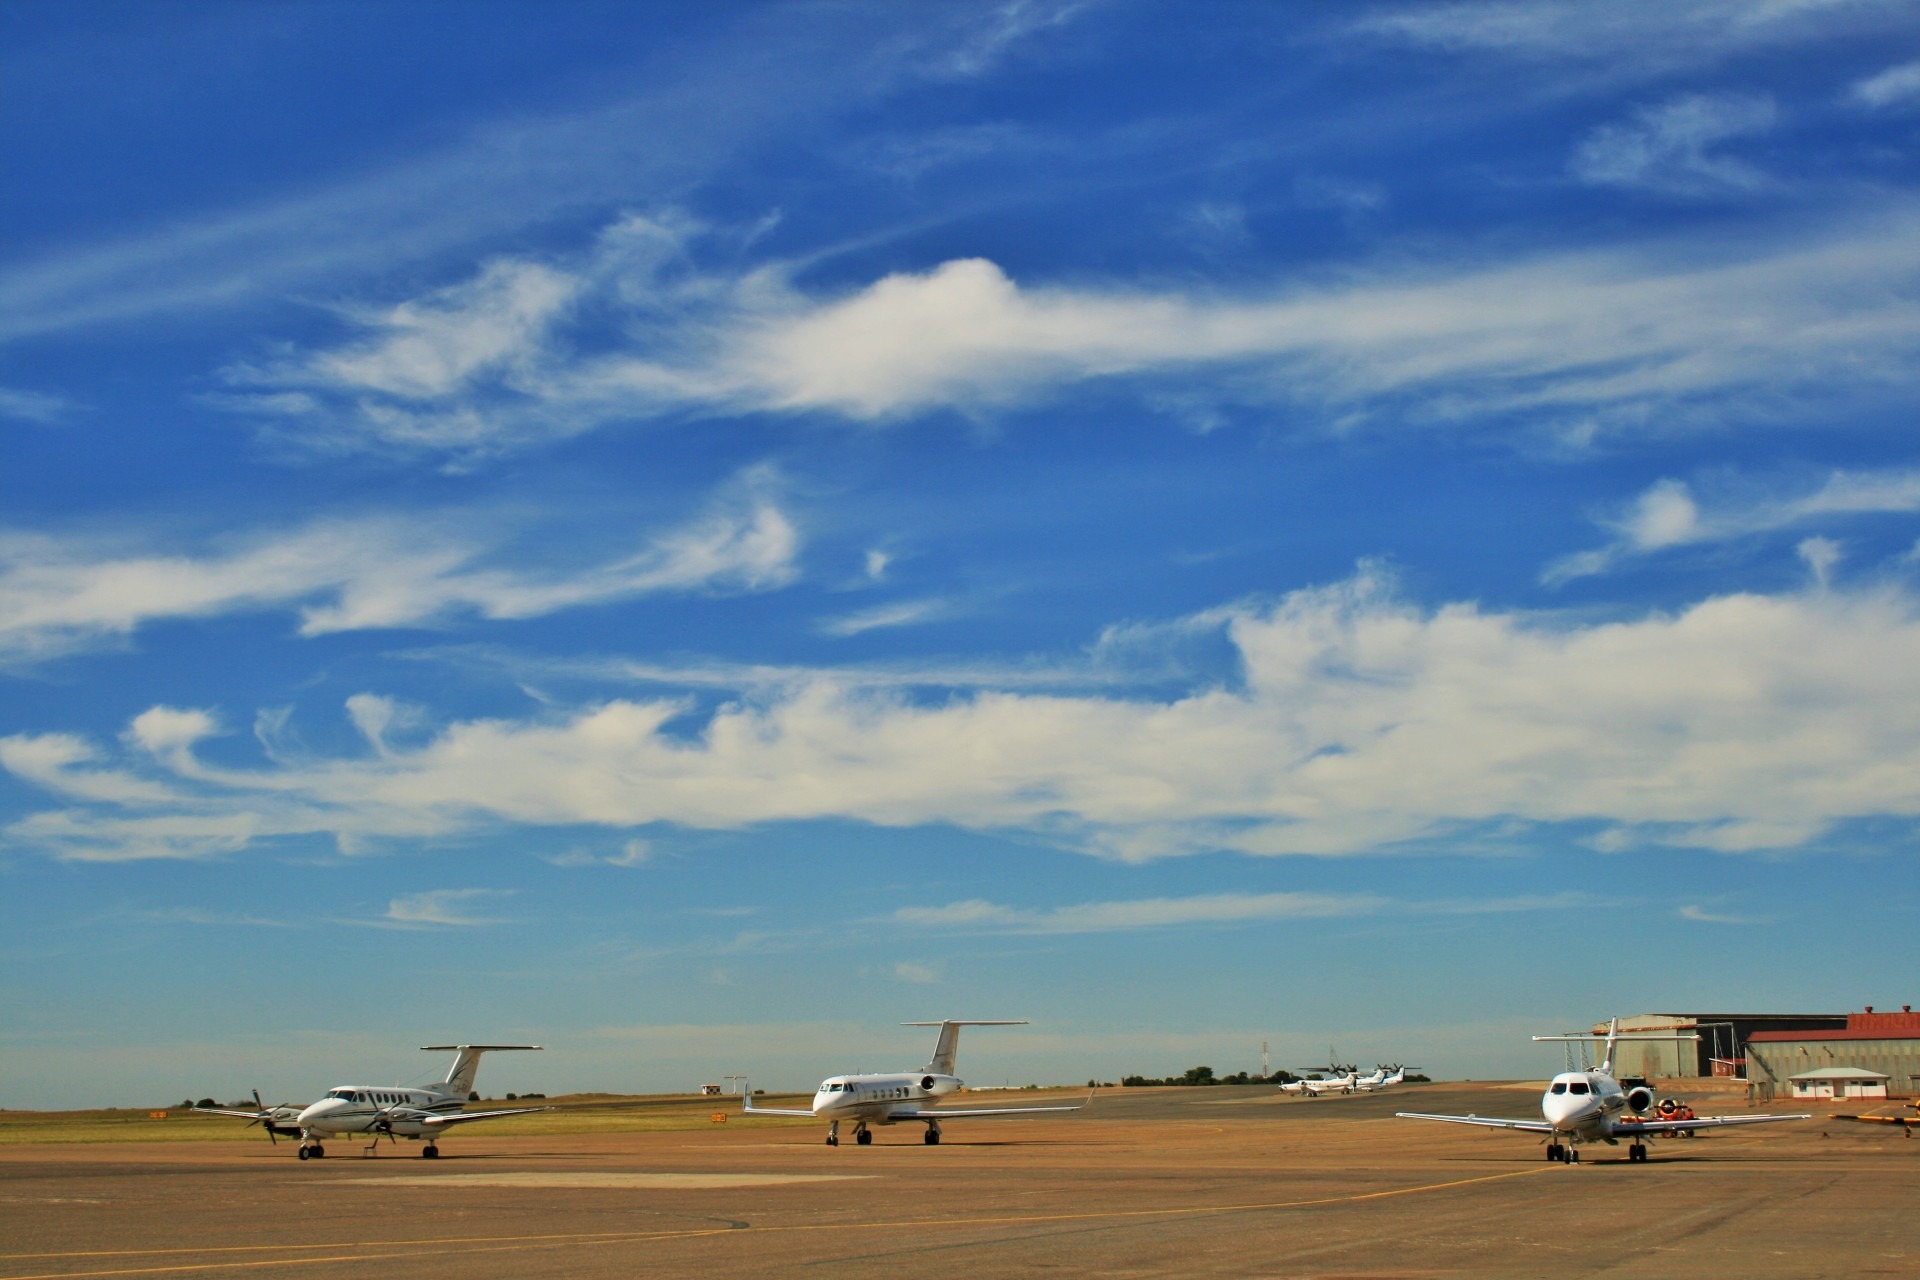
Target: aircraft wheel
(933, 1137)
(429, 1152)
(833, 1140)
(864, 1137)
(305, 1154)
(1573, 1155)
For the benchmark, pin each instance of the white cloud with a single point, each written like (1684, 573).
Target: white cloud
(442, 907)
(1579, 341)
(57, 597)
(1635, 37)
(1821, 555)
(921, 974)
(1202, 909)
(1147, 913)
(1359, 723)
(1895, 87)
(1668, 515)
(1669, 148)
(33, 406)
(1694, 911)
(434, 345)
(906, 613)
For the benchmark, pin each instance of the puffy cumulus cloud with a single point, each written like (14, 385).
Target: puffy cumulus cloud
(1359, 723)
(1582, 341)
(57, 597)
(1669, 148)
(1668, 514)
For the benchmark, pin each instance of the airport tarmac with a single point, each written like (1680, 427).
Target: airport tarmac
(1146, 1182)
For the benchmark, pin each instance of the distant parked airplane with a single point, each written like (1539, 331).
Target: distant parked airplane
(1590, 1106)
(868, 1100)
(389, 1111)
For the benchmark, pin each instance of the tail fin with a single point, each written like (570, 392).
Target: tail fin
(948, 1044)
(460, 1075)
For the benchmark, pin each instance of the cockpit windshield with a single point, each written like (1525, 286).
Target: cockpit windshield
(1559, 1086)
(1577, 1086)
(341, 1093)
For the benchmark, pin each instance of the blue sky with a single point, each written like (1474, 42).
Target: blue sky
(695, 533)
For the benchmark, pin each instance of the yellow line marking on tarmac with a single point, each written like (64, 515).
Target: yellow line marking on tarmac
(499, 1244)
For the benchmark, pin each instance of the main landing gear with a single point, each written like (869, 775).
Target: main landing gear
(1563, 1153)
(1637, 1153)
(313, 1152)
(430, 1151)
(861, 1134)
(933, 1133)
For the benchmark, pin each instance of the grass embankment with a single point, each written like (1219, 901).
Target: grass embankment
(580, 1113)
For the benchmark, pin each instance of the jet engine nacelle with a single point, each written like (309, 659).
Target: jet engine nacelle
(940, 1086)
(1639, 1098)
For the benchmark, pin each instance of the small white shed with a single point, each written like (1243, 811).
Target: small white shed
(1839, 1082)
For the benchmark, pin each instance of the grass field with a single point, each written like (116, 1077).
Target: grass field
(584, 1113)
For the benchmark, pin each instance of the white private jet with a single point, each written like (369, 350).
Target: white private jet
(1590, 1106)
(868, 1100)
(389, 1111)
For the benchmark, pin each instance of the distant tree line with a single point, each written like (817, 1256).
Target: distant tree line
(1204, 1076)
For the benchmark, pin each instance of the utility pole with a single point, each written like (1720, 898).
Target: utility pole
(1266, 1067)
(741, 1079)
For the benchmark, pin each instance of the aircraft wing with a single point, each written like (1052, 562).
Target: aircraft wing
(244, 1115)
(1902, 1121)
(462, 1117)
(1631, 1127)
(773, 1111)
(941, 1113)
(1525, 1126)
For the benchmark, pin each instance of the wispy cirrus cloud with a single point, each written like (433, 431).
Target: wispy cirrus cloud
(1700, 914)
(1358, 723)
(57, 596)
(1895, 87)
(442, 908)
(1583, 340)
(1669, 515)
(1202, 909)
(1672, 148)
(1636, 38)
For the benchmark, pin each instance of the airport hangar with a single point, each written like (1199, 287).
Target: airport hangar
(1768, 1050)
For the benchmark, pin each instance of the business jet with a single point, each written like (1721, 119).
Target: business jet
(385, 1111)
(1590, 1106)
(869, 1100)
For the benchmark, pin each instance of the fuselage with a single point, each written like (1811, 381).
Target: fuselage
(360, 1108)
(875, 1098)
(1583, 1104)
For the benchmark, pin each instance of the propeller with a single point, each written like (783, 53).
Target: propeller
(264, 1118)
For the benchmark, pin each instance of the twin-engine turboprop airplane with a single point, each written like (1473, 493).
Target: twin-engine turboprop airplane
(906, 1095)
(389, 1111)
(1590, 1106)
